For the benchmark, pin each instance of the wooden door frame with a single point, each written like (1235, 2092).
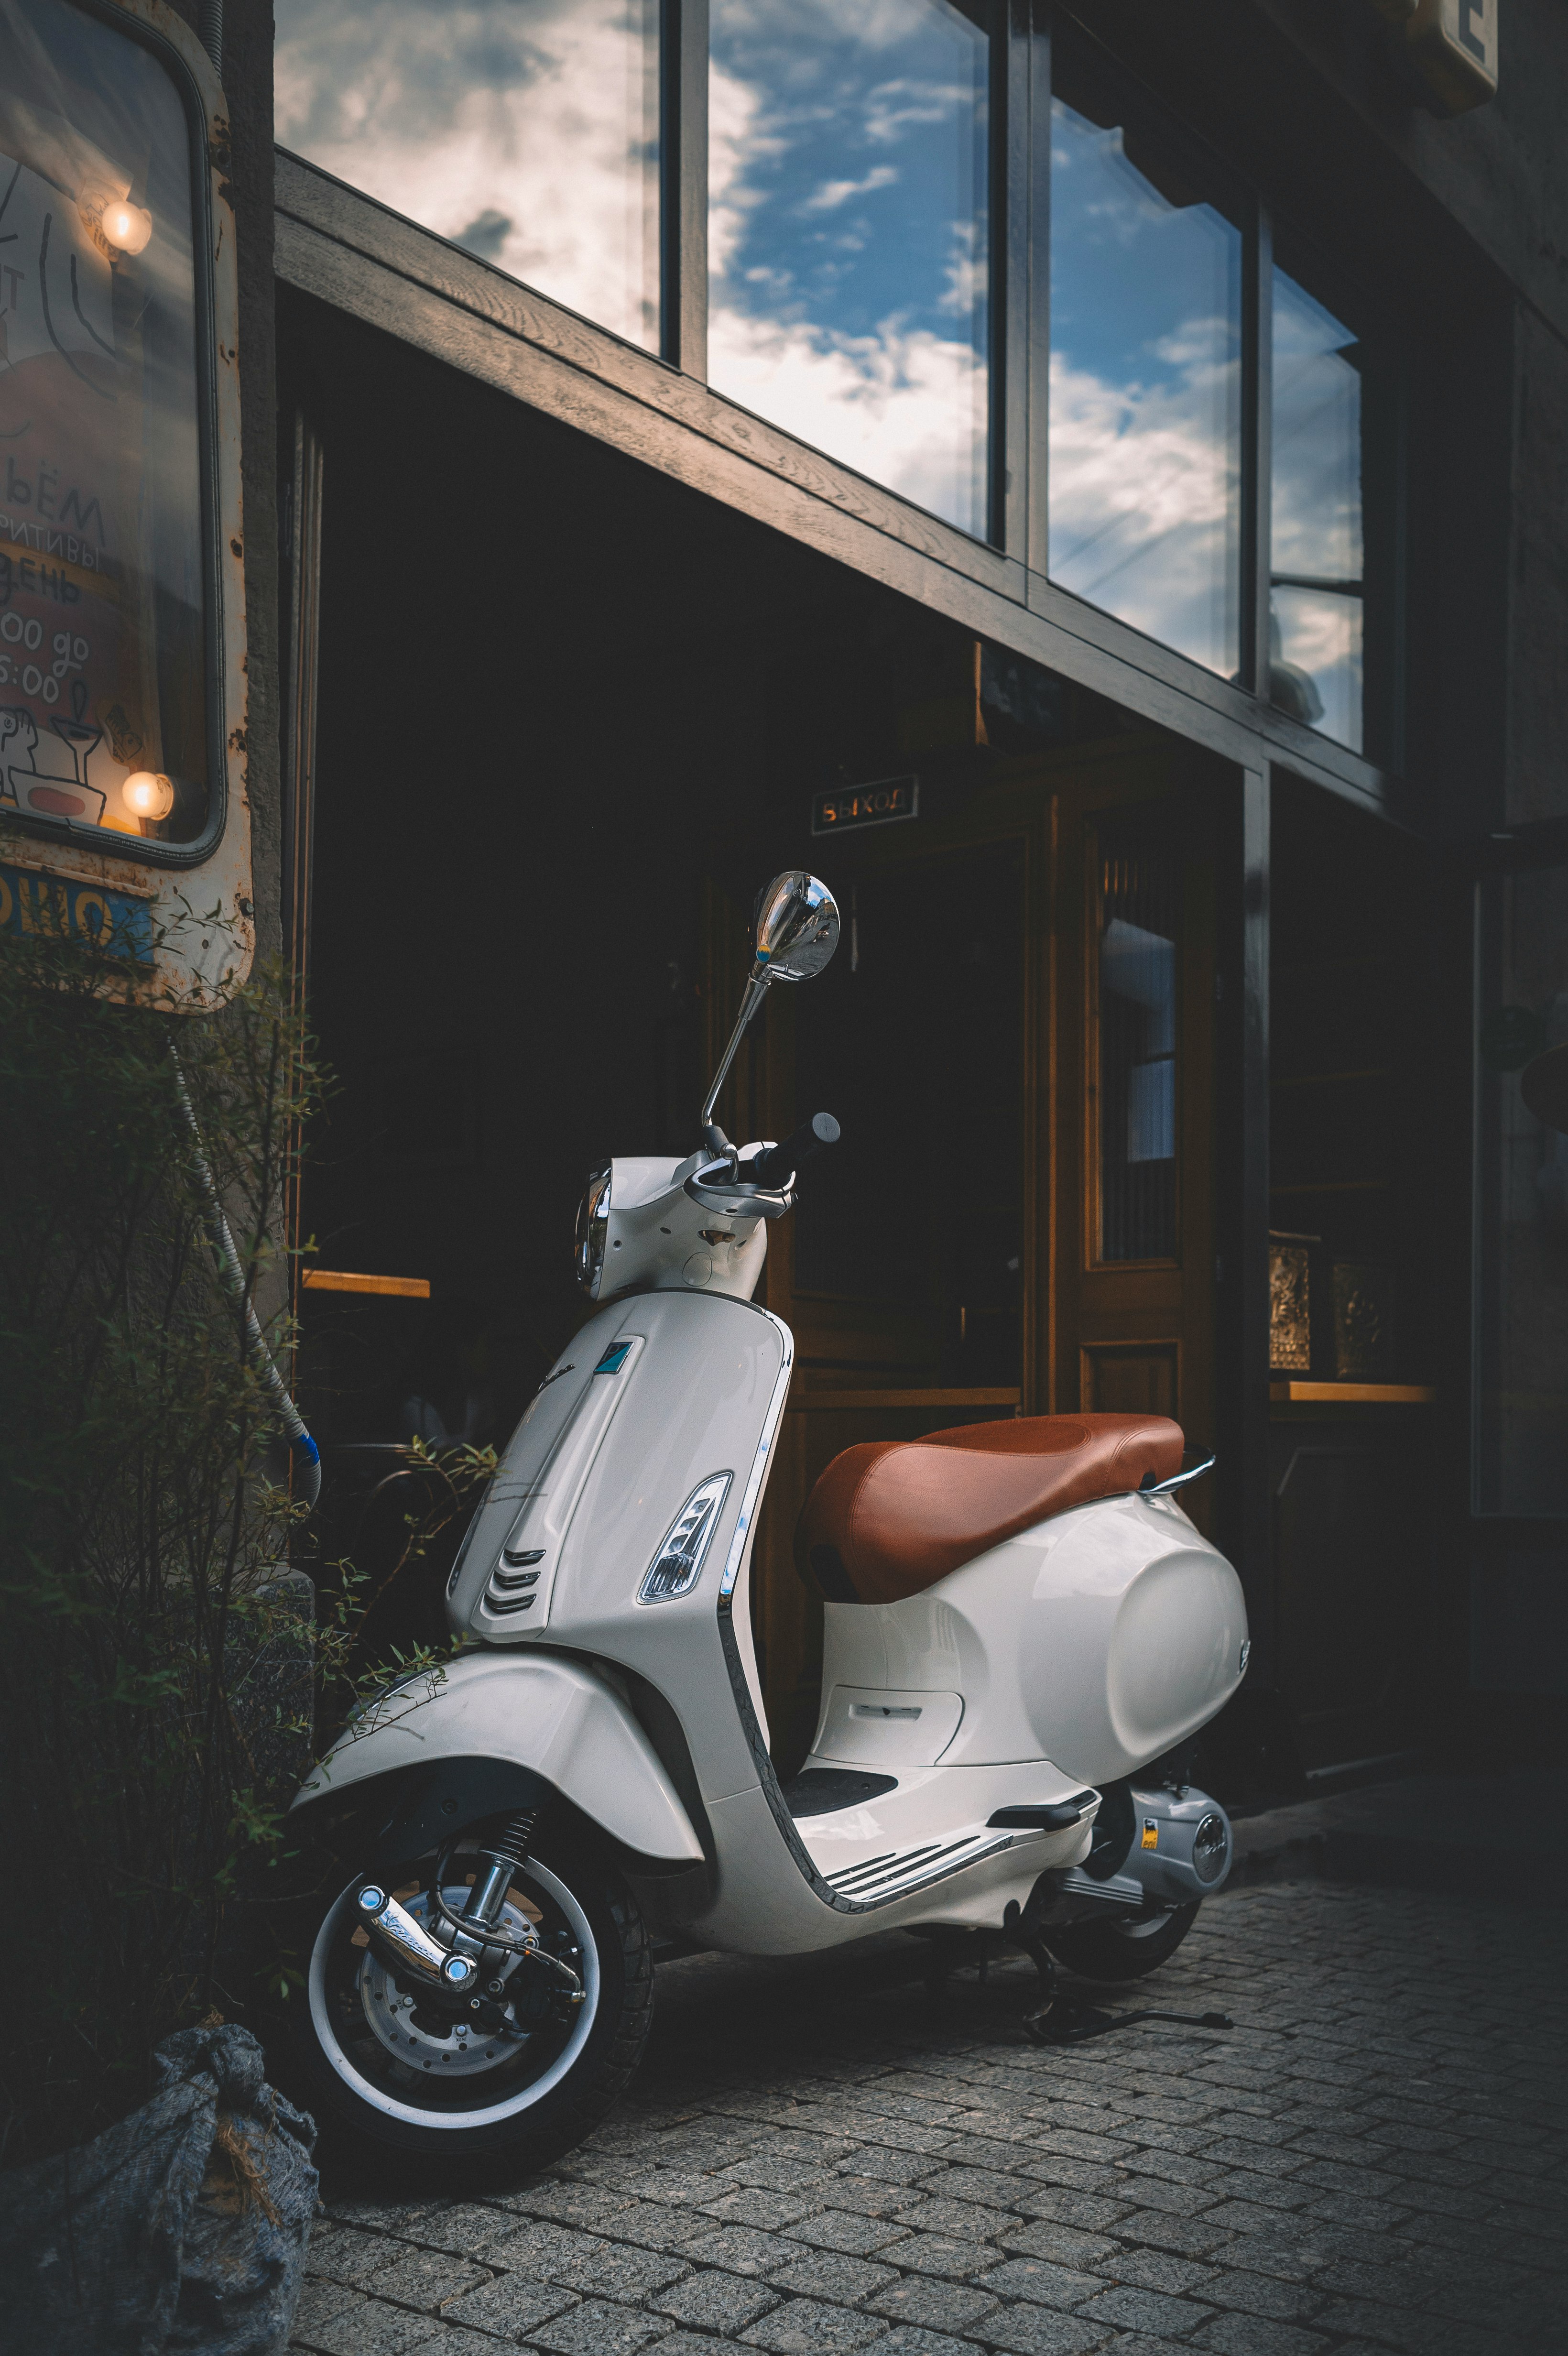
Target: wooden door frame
(1173, 776)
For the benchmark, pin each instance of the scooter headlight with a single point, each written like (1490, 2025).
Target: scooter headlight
(592, 1225)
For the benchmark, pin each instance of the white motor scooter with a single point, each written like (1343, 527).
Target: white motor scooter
(1019, 1618)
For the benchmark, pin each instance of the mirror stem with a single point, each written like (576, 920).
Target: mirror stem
(718, 1144)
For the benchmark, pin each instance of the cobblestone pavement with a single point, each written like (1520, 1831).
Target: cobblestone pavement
(823, 2159)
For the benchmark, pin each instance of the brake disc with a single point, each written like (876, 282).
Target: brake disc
(456, 2049)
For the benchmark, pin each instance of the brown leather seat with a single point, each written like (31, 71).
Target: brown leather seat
(890, 1517)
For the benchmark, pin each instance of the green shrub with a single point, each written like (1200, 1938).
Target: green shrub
(142, 1519)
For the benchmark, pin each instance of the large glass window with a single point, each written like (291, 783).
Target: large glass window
(1319, 573)
(104, 548)
(524, 130)
(1521, 1392)
(1145, 456)
(849, 238)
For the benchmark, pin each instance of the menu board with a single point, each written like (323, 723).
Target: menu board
(103, 599)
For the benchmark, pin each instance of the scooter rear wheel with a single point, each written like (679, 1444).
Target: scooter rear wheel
(397, 2082)
(1128, 1947)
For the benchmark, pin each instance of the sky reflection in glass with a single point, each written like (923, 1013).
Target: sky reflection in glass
(1145, 451)
(1318, 558)
(524, 130)
(848, 235)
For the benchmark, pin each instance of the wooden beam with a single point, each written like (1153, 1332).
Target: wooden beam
(333, 1279)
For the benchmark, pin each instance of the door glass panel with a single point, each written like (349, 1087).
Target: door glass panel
(848, 236)
(913, 1038)
(524, 130)
(1317, 584)
(1134, 1006)
(1145, 319)
(103, 611)
(1521, 1393)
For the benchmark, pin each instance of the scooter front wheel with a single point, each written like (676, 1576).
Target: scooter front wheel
(1128, 1947)
(493, 2090)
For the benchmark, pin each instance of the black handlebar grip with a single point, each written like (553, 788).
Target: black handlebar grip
(780, 1162)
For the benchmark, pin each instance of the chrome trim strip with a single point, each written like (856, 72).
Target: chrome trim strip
(770, 1421)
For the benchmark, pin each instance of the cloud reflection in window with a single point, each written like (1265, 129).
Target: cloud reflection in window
(1317, 592)
(524, 130)
(848, 235)
(1145, 451)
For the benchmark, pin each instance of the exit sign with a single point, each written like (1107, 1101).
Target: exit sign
(878, 804)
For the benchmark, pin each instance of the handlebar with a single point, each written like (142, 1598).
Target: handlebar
(780, 1162)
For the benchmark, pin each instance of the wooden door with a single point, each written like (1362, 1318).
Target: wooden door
(931, 1271)
(1134, 1265)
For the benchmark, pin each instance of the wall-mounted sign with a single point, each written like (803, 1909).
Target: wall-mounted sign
(1453, 45)
(121, 606)
(884, 800)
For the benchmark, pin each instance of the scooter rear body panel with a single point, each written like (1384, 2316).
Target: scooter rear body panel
(1099, 1638)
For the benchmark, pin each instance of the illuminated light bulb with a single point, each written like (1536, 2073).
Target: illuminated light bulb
(149, 793)
(125, 225)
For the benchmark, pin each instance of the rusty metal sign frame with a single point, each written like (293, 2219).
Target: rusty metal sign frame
(199, 923)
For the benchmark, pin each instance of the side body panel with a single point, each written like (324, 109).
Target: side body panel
(1098, 1639)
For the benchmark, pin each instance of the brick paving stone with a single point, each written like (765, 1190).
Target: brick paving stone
(463, 2226)
(318, 2303)
(839, 2229)
(427, 2278)
(914, 2339)
(1043, 2240)
(368, 2329)
(764, 2172)
(832, 2275)
(1037, 2278)
(621, 2273)
(716, 2302)
(1146, 2310)
(940, 2306)
(938, 2254)
(449, 2340)
(567, 2204)
(537, 2250)
(768, 2211)
(1157, 2270)
(964, 2219)
(597, 2328)
(875, 2161)
(1251, 2294)
(510, 2307)
(1025, 2331)
(1244, 2335)
(1080, 2175)
(655, 2227)
(691, 2344)
(348, 2257)
(805, 2327)
(986, 2185)
(740, 2249)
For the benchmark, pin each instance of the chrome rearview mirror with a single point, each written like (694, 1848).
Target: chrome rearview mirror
(798, 927)
(796, 933)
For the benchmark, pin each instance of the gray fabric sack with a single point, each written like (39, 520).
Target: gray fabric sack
(184, 2227)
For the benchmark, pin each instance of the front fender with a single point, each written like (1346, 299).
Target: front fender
(537, 1711)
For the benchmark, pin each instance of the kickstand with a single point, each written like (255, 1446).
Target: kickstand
(1061, 2020)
